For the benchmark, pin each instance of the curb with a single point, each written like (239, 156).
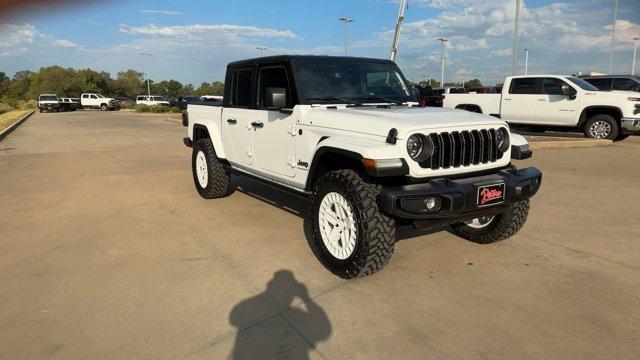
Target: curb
(15, 125)
(568, 144)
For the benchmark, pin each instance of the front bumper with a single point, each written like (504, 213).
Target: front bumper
(630, 125)
(460, 196)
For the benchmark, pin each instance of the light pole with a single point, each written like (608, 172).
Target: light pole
(346, 21)
(635, 48)
(396, 36)
(516, 34)
(613, 35)
(262, 49)
(526, 61)
(147, 57)
(443, 57)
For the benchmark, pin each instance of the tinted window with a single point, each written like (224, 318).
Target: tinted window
(438, 92)
(525, 86)
(625, 84)
(601, 83)
(241, 91)
(273, 77)
(552, 86)
(457, 91)
(94, 97)
(582, 84)
(85, 96)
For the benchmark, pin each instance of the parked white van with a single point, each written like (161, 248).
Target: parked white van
(151, 100)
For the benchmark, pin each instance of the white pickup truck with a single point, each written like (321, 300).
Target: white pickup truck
(98, 101)
(346, 135)
(557, 101)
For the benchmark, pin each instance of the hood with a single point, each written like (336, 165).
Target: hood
(378, 121)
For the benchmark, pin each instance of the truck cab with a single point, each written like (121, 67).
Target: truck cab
(347, 135)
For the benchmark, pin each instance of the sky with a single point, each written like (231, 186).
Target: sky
(192, 41)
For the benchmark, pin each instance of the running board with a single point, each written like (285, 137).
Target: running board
(291, 191)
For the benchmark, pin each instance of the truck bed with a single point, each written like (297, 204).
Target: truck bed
(487, 103)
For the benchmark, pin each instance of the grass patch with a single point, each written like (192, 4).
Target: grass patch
(10, 117)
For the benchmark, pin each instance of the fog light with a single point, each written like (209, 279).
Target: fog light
(432, 203)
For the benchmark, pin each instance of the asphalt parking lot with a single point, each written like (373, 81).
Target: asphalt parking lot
(107, 251)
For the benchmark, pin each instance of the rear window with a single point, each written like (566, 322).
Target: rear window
(525, 86)
(457, 91)
(625, 84)
(241, 88)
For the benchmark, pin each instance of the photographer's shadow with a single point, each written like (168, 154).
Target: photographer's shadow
(292, 333)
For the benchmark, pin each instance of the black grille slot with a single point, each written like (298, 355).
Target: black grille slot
(463, 148)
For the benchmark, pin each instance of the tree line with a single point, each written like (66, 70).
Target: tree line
(69, 82)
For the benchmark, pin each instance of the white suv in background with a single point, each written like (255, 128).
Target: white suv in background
(151, 100)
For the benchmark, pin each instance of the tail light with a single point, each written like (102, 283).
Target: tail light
(185, 119)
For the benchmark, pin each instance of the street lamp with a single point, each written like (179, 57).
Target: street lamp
(346, 21)
(526, 61)
(516, 34)
(147, 57)
(262, 49)
(442, 40)
(635, 48)
(613, 35)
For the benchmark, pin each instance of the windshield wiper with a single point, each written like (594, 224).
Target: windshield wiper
(336, 98)
(381, 98)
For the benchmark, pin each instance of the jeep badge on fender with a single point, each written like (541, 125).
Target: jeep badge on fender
(374, 157)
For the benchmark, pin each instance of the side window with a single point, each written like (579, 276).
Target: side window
(624, 84)
(139, 98)
(601, 83)
(525, 86)
(241, 91)
(273, 77)
(85, 96)
(552, 86)
(94, 97)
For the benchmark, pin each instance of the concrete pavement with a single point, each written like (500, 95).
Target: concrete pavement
(107, 251)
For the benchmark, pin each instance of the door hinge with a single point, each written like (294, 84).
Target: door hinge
(291, 130)
(291, 162)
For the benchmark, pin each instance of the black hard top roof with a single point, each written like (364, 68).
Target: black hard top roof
(288, 58)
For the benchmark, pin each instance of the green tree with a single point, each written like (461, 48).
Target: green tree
(473, 84)
(433, 83)
(4, 84)
(56, 80)
(129, 83)
(94, 81)
(214, 88)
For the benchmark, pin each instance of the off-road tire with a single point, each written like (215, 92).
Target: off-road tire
(218, 184)
(375, 231)
(502, 227)
(615, 129)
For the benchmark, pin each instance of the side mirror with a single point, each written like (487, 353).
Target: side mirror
(276, 98)
(569, 91)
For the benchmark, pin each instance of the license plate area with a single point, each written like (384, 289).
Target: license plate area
(489, 195)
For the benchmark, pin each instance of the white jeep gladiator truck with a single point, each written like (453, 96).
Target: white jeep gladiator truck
(98, 101)
(346, 134)
(560, 102)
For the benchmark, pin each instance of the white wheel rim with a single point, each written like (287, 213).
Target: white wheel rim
(479, 223)
(202, 170)
(600, 129)
(337, 225)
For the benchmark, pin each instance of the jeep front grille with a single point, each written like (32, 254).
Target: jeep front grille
(462, 148)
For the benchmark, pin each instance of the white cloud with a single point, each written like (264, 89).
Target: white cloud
(67, 44)
(504, 52)
(209, 32)
(161, 12)
(15, 39)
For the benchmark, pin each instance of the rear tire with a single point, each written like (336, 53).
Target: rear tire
(344, 205)
(501, 227)
(601, 126)
(104, 107)
(211, 178)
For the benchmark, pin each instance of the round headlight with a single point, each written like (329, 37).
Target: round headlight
(502, 139)
(414, 146)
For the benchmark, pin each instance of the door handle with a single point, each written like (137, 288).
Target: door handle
(232, 121)
(542, 99)
(257, 124)
(507, 98)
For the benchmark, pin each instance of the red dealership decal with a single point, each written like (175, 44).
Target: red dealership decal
(491, 194)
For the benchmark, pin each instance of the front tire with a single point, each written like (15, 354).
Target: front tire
(104, 107)
(211, 178)
(601, 127)
(487, 230)
(350, 236)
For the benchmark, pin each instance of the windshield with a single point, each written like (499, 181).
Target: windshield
(48, 98)
(347, 81)
(582, 84)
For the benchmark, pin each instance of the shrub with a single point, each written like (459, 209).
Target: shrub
(141, 108)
